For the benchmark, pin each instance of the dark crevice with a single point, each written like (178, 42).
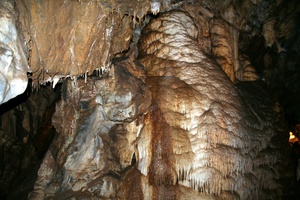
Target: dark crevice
(28, 120)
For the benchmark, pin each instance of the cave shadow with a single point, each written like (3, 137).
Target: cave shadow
(36, 145)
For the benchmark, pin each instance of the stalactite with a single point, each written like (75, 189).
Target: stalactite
(235, 47)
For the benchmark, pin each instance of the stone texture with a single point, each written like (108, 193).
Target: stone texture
(246, 71)
(222, 39)
(89, 24)
(180, 129)
(13, 61)
(97, 122)
(197, 105)
(186, 131)
(70, 38)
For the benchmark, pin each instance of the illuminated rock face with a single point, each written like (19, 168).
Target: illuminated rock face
(98, 123)
(224, 46)
(13, 61)
(207, 138)
(178, 126)
(80, 36)
(185, 132)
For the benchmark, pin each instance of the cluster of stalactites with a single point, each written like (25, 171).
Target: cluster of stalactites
(84, 34)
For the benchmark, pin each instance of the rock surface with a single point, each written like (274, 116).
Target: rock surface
(203, 139)
(13, 61)
(190, 119)
(26, 132)
(97, 124)
(80, 36)
(199, 136)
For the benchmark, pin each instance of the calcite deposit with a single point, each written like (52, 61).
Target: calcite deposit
(205, 129)
(153, 99)
(13, 61)
(98, 123)
(186, 127)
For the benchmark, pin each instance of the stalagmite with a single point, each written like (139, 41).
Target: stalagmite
(235, 48)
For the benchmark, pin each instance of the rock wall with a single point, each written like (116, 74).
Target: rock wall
(204, 119)
(98, 123)
(186, 131)
(26, 132)
(80, 36)
(172, 117)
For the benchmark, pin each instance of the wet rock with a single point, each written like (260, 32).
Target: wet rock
(180, 129)
(246, 71)
(224, 47)
(250, 73)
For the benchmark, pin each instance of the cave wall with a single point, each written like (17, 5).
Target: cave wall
(26, 133)
(197, 131)
(155, 104)
(80, 36)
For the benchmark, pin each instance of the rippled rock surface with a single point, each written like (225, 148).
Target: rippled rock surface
(209, 138)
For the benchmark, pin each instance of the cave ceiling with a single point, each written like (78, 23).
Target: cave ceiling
(74, 38)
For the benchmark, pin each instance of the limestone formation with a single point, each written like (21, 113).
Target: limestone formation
(246, 71)
(197, 111)
(81, 35)
(192, 135)
(222, 48)
(26, 132)
(13, 61)
(155, 99)
(98, 123)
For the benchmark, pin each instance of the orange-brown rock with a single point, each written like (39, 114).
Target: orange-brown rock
(70, 38)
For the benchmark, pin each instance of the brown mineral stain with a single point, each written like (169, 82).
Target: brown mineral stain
(165, 192)
(60, 41)
(132, 186)
(161, 170)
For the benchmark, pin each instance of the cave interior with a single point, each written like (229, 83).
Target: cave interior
(154, 99)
